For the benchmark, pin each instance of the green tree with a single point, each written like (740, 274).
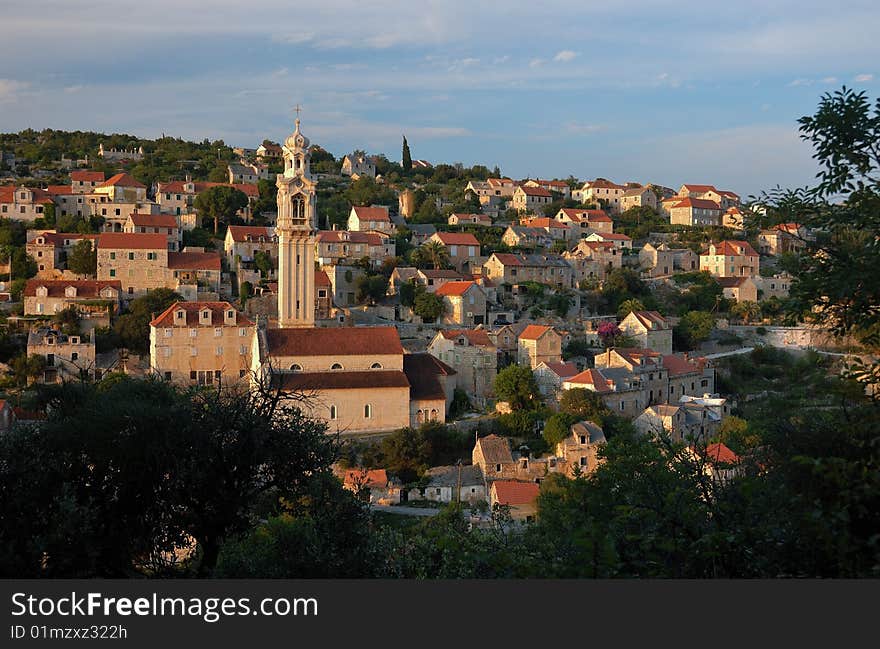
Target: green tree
(22, 264)
(628, 306)
(558, 427)
(263, 262)
(429, 306)
(220, 203)
(68, 320)
(693, 329)
(584, 405)
(746, 311)
(436, 254)
(516, 385)
(371, 288)
(244, 292)
(83, 258)
(406, 157)
(26, 368)
(834, 280)
(133, 327)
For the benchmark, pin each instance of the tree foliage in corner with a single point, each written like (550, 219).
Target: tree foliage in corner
(835, 282)
(406, 157)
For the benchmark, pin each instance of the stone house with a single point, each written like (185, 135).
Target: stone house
(446, 484)
(510, 268)
(551, 375)
(50, 249)
(557, 230)
(656, 261)
(139, 261)
(524, 236)
(156, 224)
(67, 358)
(776, 286)
(530, 199)
(432, 388)
(731, 259)
(581, 448)
(358, 165)
(370, 219)
(585, 221)
(619, 241)
(380, 489)
(469, 219)
(649, 329)
(23, 203)
(462, 247)
(694, 211)
(122, 188)
(741, 289)
(682, 422)
(601, 192)
(520, 498)
(84, 182)
(472, 355)
(243, 241)
(201, 343)
(251, 174)
(341, 246)
(179, 196)
(555, 186)
(538, 344)
(90, 297)
(465, 303)
(638, 197)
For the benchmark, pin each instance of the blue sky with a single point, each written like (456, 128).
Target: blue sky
(652, 91)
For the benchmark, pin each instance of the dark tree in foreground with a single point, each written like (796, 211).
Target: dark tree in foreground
(133, 477)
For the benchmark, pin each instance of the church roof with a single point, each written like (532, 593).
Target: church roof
(336, 341)
(423, 372)
(340, 380)
(192, 310)
(371, 213)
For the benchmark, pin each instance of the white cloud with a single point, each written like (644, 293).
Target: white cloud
(536, 63)
(565, 56)
(829, 80)
(576, 128)
(11, 89)
(861, 78)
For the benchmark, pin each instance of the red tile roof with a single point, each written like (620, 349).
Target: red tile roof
(679, 364)
(734, 249)
(57, 190)
(153, 220)
(423, 372)
(508, 259)
(701, 189)
(341, 380)
(243, 233)
(58, 238)
(577, 215)
(652, 320)
(545, 222)
(372, 478)
(536, 191)
(602, 183)
(346, 236)
(371, 213)
(122, 180)
(452, 289)
(87, 176)
(442, 273)
(321, 279)
(561, 369)
(477, 337)
(177, 187)
(85, 288)
(132, 241)
(7, 194)
(194, 261)
(456, 239)
(593, 378)
(533, 332)
(192, 309)
(335, 341)
(699, 203)
(614, 236)
(510, 492)
(721, 454)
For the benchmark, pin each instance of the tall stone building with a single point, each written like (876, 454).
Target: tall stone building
(295, 229)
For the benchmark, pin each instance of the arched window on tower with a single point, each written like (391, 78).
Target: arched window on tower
(298, 208)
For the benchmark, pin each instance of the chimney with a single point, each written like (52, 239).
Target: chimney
(188, 178)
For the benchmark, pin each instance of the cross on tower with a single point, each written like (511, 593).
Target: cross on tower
(298, 110)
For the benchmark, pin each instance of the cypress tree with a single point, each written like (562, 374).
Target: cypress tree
(406, 161)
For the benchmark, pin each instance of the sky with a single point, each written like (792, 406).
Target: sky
(648, 90)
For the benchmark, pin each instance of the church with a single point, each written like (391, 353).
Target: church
(358, 379)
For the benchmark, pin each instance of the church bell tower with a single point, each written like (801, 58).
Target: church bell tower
(295, 228)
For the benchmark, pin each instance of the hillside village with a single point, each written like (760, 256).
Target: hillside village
(401, 296)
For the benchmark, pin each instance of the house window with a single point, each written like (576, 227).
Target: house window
(498, 468)
(112, 272)
(241, 373)
(74, 356)
(218, 332)
(242, 331)
(219, 351)
(112, 255)
(168, 332)
(368, 411)
(193, 351)
(583, 460)
(193, 333)
(376, 366)
(296, 367)
(336, 366)
(131, 256)
(333, 412)
(583, 439)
